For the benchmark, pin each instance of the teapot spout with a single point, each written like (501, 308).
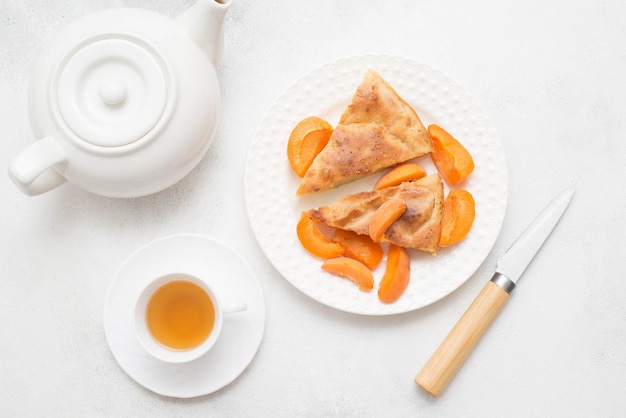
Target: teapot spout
(204, 23)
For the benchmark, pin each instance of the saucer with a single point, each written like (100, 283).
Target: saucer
(241, 335)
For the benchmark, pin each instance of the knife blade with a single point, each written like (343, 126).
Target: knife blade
(452, 352)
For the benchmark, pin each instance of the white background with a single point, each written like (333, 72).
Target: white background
(552, 77)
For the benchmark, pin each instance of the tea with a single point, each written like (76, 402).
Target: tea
(180, 315)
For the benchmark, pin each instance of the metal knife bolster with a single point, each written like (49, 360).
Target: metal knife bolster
(503, 282)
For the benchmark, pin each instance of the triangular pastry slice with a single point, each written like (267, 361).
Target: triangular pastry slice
(419, 227)
(377, 130)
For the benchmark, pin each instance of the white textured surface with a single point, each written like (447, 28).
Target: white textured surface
(551, 77)
(274, 209)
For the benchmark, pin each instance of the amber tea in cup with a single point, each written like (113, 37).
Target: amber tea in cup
(180, 315)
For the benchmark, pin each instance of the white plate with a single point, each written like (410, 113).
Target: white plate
(241, 333)
(274, 209)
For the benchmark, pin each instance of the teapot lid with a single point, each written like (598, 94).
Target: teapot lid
(112, 90)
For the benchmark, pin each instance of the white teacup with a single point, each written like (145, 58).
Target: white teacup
(179, 317)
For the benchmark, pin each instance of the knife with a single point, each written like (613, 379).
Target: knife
(448, 358)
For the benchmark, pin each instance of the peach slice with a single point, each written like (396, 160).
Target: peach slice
(397, 274)
(384, 216)
(307, 139)
(458, 216)
(400, 174)
(314, 240)
(359, 247)
(452, 160)
(351, 269)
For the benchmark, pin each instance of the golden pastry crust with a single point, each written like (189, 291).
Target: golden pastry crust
(377, 130)
(419, 227)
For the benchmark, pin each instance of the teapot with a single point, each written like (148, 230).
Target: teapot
(124, 102)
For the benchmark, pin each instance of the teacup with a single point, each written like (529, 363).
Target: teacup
(179, 317)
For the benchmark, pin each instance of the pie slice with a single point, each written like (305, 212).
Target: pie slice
(419, 227)
(377, 130)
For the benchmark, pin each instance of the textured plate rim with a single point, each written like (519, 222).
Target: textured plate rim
(437, 99)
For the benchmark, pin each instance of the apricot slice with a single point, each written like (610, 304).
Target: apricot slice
(314, 240)
(359, 247)
(351, 269)
(458, 216)
(307, 139)
(400, 174)
(384, 216)
(452, 160)
(397, 274)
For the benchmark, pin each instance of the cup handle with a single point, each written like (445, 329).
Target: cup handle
(32, 169)
(230, 307)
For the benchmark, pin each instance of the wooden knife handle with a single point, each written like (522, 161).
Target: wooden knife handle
(449, 357)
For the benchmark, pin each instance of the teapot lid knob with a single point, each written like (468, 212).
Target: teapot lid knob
(112, 91)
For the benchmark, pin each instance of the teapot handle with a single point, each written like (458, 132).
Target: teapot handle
(32, 170)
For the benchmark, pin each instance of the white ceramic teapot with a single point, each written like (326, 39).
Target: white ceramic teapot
(124, 101)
